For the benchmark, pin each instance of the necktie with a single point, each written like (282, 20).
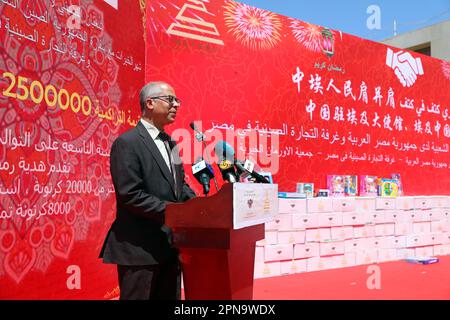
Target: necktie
(166, 138)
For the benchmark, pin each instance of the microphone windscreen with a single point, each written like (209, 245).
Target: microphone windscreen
(198, 159)
(224, 151)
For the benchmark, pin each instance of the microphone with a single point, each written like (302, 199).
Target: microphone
(225, 153)
(248, 167)
(203, 172)
(226, 167)
(201, 138)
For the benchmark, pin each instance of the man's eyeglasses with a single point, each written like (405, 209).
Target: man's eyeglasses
(169, 99)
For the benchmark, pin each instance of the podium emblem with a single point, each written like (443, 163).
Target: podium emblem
(266, 202)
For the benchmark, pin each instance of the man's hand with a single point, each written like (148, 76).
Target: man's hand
(405, 66)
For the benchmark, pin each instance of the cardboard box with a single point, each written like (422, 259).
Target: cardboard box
(405, 253)
(364, 232)
(319, 263)
(414, 216)
(287, 205)
(422, 202)
(280, 222)
(307, 250)
(355, 245)
(305, 221)
(291, 237)
(353, 218)
(277, 252)
(441, 226)
(436, 238)
(344, 204)
(445, 213)
(332, 248)
(271, 237)
(433, 215)
(385, 255)
(341, 233)
(330, 219)
(318, 235)
(421, 227)
(400, 242)
(345, 260)
(403, 229)
(413, 240)
(396, 216)
(424, 215)
(261, 243)
(366, 257)
(385, 229)
(259, 256)
(320, 205)
(268, 269)
(364, 204)
(419, 240)
(404, 203)
(444, 238)
(385, 203)
(424, 251)
(428, 239)
(442, 202)
(375, 217)
(292, 267)
(441, 250)
(381, 243)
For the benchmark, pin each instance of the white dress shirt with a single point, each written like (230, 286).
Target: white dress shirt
(154, 132)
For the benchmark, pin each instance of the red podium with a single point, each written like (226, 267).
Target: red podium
(217, 260)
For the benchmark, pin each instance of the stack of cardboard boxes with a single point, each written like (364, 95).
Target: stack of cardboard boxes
(324, 233)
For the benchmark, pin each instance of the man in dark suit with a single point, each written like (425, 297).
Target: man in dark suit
(146, 178)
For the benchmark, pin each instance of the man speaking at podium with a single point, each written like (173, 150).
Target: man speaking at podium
(146, 178)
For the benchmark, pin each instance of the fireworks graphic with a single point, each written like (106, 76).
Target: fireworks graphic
(156, 25)
(309, 35)
(446, 69)
(254, 28)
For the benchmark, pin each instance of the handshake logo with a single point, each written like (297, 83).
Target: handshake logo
(405, 66)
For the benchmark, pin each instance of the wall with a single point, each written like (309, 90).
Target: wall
(437, 36)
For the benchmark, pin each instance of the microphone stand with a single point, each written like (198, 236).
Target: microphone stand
(201, 137)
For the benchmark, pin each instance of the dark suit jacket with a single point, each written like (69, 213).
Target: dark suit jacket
(143, 184)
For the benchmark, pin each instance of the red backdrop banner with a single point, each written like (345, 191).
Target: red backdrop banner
(70, 75)
(321, 101)
(302, 100)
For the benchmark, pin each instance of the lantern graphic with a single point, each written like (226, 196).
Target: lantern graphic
(328, 42)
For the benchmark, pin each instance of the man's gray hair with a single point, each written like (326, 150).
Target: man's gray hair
(151, 89)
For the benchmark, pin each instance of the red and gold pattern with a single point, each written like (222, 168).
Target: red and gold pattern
(82, 62)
